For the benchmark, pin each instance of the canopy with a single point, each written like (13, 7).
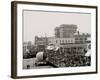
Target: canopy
(50, 48)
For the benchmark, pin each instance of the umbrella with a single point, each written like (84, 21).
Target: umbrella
(50, 48)
(88, 53)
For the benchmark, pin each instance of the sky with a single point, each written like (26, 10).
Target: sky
(42, 23)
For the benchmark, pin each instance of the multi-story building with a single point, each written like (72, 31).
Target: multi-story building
(82, 38)
(65, 30)
(67, 37)
(73, 45)
(41, 40)
(60, 41)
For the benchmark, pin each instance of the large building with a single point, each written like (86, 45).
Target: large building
(77, 42)
(67, 37)
(41, 40)
(65, 30)
(26, 47)
(68, 47)
(60, 41)
(64, 35)
(82, 38)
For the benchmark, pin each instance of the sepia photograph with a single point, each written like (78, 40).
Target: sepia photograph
(56, 39)
(53, 39)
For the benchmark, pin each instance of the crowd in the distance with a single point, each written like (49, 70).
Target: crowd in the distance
(64, 59)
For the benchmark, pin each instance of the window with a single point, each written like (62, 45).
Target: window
(56, 41)
(60, 41)
(76, 38)
(81, 39)
(66, 41)
(63, 41)
(71, 41)
(85, 38)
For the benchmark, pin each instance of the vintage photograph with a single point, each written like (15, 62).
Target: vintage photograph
(51, 39)
(54, 39)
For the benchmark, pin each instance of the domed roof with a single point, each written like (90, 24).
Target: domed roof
(39, 56)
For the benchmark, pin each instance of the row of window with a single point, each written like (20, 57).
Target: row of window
(80, 38)
(63, 41)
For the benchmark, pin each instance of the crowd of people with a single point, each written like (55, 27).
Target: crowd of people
(60, 59)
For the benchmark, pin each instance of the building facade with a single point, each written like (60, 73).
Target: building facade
(60, 41)
(65, 30)
(68, 38)
(82, 38)
(41, 40)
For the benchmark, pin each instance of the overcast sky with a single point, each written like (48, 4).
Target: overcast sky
(39, 23)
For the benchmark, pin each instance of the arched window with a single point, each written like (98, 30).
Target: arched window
(56, 41)
(62, 41)
(66, 41)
